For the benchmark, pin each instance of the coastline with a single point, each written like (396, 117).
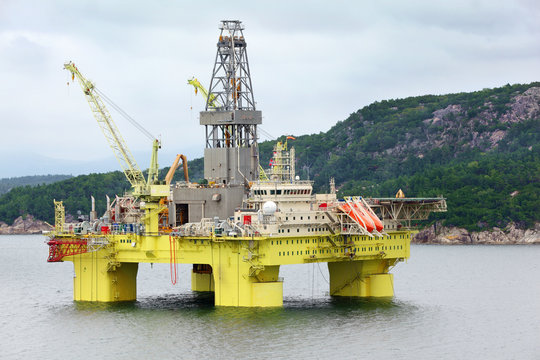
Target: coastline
(26, 225)
(511, 235)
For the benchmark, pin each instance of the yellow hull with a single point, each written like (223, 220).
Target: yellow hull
(244, 271)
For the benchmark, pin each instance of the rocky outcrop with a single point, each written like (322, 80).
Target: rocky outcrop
(24, 225)
(524, 106)
(437, 234)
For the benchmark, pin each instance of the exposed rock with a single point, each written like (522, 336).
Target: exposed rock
(496, 136)
(524, 106)
(437, 234)
(26, 225)
(442, 114)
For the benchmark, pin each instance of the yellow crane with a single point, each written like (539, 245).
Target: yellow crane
(198, 87)
(148, 189)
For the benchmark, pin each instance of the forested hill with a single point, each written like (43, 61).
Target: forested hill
(480, 150)
(75, 192)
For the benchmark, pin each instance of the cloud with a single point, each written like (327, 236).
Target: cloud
(312, 63)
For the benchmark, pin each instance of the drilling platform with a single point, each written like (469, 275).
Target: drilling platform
(244, 223)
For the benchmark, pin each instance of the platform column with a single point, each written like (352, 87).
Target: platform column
(201, 278)
(238, 283)
(96, 279)
(367, 278)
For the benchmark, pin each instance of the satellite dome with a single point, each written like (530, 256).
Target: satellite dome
(269, 208)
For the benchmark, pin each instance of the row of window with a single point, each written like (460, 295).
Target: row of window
(298, 230)
(302, 218)
(298, 241)
(285, 192)
(314, 241)
(327, 251)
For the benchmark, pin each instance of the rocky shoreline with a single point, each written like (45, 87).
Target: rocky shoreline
(511, 235)
(24, 226)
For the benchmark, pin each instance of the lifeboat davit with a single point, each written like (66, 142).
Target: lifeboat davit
(358, 216)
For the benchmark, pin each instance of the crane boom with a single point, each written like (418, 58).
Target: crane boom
(111, 132)
(198, 86)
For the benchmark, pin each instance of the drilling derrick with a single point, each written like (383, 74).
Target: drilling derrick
(231, 153)
(236, 230)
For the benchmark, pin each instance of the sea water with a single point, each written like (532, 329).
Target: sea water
(451, 302)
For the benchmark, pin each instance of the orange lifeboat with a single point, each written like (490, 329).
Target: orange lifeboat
(358, 216)
(376, 221)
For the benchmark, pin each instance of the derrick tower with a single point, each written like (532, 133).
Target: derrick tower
(231, 155)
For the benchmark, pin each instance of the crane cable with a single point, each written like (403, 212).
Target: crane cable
(125, 115)
(267, 134)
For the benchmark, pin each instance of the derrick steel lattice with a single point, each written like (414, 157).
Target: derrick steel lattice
(231, 79)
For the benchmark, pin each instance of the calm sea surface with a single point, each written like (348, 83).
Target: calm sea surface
(452, 302)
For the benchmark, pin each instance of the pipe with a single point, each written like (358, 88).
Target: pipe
(184, 165)
(174, 166)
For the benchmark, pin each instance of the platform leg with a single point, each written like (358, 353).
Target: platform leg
(201, 282)
(96, 280)
(237, 283)
(367, 278)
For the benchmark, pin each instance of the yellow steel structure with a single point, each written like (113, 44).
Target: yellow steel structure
(150, 189)
(59, 216)
(198, 87)
(244, 270)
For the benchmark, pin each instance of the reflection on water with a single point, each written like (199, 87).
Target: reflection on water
(451, 302)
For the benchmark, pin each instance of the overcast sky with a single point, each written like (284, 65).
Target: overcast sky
(312, 63)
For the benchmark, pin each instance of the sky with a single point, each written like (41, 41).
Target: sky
(312, 64)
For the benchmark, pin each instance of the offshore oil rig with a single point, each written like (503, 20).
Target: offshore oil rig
(240, 227)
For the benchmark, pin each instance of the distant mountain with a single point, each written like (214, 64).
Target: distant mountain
(481, 150)
(24, 163)
(9, 183)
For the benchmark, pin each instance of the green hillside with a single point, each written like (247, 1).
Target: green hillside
(480, 150)
(476, 149)
(75, 192)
